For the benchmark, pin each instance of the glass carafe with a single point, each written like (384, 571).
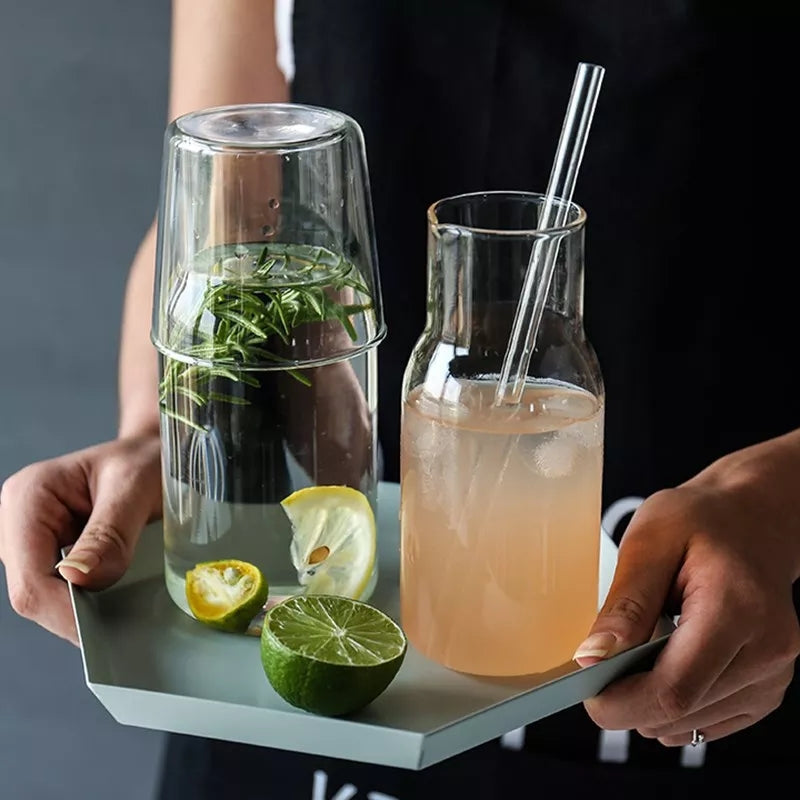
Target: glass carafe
(267, 313)
(500, 504)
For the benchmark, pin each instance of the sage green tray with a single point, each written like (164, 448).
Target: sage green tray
(153, 667)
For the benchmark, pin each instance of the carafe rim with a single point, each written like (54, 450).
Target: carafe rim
(572, 226)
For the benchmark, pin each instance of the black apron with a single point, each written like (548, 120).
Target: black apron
(468, 95)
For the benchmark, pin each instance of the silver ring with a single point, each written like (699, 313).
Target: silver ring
(697, 738)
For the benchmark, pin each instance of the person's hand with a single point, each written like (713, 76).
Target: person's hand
(99, 499)
(723, 551)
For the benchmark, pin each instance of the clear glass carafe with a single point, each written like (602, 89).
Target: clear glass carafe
(500, 504)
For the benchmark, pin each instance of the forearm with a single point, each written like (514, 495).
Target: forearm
(221, 54)
(224, 54)
(138, 362)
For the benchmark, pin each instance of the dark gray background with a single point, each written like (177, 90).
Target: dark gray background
(83, 93)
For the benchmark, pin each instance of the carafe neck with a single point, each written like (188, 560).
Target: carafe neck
(476, 273)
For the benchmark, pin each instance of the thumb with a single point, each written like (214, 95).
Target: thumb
(105, 547)
(646, 567)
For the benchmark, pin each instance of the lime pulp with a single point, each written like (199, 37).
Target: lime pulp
(330, 655)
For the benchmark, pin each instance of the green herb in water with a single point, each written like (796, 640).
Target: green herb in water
(263, 294)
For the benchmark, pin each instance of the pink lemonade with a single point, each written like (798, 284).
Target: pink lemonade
(500, 520)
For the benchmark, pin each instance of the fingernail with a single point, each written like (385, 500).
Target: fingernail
(84, 564)
(598, 645)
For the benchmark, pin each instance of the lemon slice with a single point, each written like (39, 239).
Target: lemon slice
(226, 594)
(333, 546)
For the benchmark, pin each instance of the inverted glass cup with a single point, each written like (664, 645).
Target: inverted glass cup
(266, 315)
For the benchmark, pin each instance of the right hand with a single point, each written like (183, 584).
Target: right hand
(97, 500)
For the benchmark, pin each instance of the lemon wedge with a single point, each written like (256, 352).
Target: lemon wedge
(333, 542)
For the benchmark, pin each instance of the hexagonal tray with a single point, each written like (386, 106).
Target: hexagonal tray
(151, 666)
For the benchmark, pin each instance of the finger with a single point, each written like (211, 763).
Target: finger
(745, 670)
(46, 602)
(646, 567)
(696, 654)
(754, 701)
(713, 732)
(29, 548)
(106, 544)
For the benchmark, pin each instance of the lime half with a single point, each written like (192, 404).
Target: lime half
(330, 655)
(226, 594)
(333, 542)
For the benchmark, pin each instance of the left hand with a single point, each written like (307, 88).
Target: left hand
(723, 551)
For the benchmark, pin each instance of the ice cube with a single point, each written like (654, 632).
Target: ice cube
(554, 458)
(423, 444)
(588, 433)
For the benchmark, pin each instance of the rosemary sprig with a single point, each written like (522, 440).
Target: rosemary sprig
(283, 287)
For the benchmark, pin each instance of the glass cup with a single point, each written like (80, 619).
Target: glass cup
(266, 316)
(500, 504)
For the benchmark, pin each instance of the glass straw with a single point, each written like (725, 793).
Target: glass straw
(567, 162)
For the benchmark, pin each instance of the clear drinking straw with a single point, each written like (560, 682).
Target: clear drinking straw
(567, 162)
